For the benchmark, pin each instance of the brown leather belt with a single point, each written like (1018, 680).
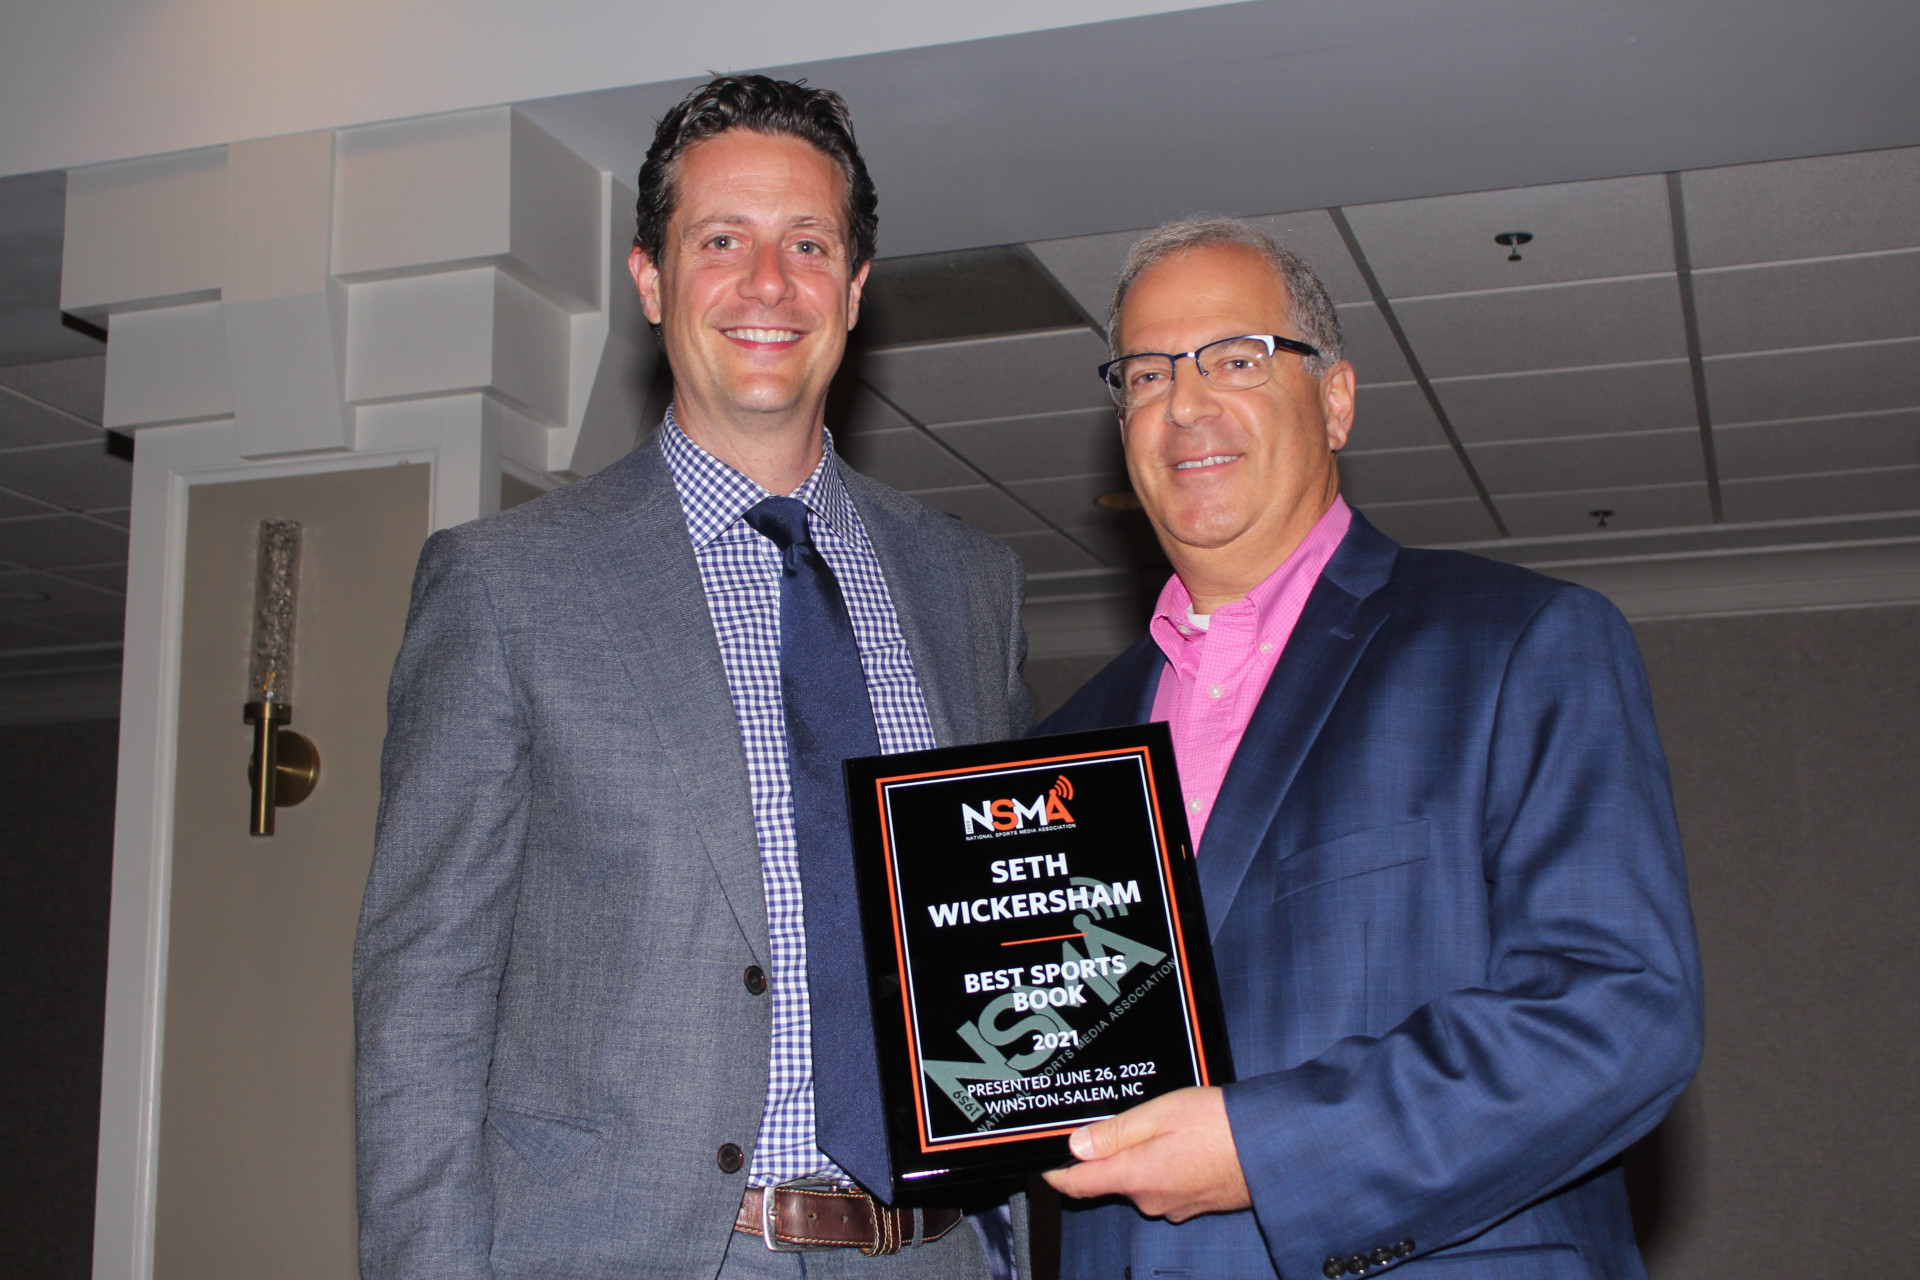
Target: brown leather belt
(830, 1217)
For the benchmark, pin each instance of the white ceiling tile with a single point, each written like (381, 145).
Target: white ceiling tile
(21, 595)
(1370, 346)
(1312, 235)
(852, 408)
(1048, 553)
(1809, 497)
(905, 459)
(982, 506)
(1808, 304)
(1088, 267)
(992, 377)
(109, 577)
(77, 386)
(48, 542)
(1081, 442)
(1540, 515)
(1393, 416)
(1591, 462)
(74, 476)
(1809, 447)
(1404, 475)
(1556, 327)
(1427, 524)
(1069, 500)
(1574, 402)
(23, 423)
(1808, 208)
(1814, 383)
(18, 504)
(91, 625)
(27, 635)
(1581, 230)
(1121, 538)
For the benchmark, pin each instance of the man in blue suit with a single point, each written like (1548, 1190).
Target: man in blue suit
(1435, 837)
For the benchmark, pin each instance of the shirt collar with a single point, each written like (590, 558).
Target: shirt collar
(715, 496)
(1179, 640)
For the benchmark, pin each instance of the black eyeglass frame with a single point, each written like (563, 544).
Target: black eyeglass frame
(1274, 341)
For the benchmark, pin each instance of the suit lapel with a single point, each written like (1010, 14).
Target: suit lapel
(928, 596)
(1341, 616)
(646, 585)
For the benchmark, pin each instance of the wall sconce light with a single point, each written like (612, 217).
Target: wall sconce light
(285, 764)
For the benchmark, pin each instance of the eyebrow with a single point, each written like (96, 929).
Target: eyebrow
(804, 223)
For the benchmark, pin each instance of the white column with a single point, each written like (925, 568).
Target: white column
(450, 290)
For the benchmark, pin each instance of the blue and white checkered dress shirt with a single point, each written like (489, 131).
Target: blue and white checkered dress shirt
(740, 570)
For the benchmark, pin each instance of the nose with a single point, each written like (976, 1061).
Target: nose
(767, 280)
(1192, 397)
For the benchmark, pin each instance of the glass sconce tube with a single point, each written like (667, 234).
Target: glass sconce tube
(285, 764)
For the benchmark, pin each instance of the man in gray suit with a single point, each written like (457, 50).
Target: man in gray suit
(586, 1023)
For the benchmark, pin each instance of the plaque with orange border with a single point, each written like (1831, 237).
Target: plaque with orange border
(1037, 950)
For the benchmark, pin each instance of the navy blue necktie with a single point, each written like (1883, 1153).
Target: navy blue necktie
(829, 719)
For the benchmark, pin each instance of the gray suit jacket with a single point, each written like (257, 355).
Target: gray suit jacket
(554, 1037)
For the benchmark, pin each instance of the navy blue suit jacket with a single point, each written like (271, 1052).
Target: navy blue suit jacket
(1448, 909)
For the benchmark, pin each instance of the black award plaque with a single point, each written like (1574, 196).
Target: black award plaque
(1036, 946)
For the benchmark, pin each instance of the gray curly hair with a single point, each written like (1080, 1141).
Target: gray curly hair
(1310, 308)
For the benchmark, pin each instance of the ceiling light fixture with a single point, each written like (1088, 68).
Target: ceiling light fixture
(1513, 240)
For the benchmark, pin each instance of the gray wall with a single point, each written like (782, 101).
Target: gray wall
(1792, 743)
(1792, 739)
(56, 863)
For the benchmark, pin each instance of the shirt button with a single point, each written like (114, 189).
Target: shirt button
(756, 980)
(730, 1157)
(1194, 805)
(1266, 646)
(1214, 691)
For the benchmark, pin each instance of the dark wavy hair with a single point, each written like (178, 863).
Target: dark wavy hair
(764, 105)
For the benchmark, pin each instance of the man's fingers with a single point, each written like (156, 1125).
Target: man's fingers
(1106, 1177)
(1102, 1140)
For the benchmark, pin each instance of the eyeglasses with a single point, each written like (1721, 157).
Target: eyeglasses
(1231, 364)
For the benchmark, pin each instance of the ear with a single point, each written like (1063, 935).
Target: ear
(854, 286)
(1336, 404)
(646, 280)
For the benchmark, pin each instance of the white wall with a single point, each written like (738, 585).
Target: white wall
(82, 81)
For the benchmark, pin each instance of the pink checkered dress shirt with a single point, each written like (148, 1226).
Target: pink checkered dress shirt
(1215, 674)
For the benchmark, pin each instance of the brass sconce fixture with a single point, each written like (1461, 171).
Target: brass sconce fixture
(285, 764)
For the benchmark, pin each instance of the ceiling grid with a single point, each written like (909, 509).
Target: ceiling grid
(1724, 361)
(1696, 362)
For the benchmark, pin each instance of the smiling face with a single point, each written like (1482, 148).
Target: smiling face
(754, 292)
(1232, 480)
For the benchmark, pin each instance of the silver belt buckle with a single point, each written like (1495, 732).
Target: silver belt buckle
(767, 1213)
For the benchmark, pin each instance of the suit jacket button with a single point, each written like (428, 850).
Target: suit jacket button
(730, 1157)
(1383, 1255)
(1359, 1263)
(756, 980)
(1333, 1269)
(1404, 1249)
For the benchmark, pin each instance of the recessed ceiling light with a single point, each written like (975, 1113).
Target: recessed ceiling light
(1120, 500)
(1513, 240)
(18, 595)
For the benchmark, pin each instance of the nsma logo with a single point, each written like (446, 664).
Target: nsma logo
(1049, 810)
